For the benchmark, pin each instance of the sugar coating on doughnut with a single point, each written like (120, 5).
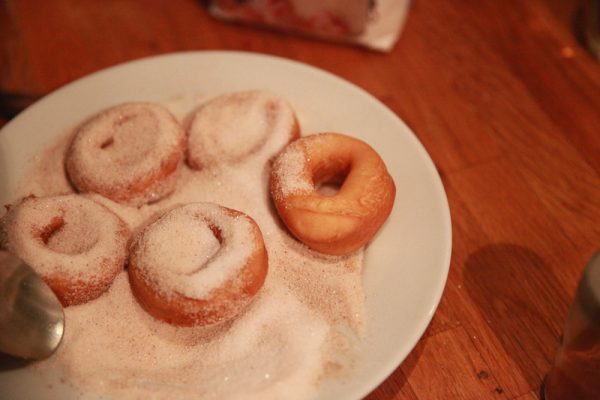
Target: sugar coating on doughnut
(77, 245)
(198, 264)
(181, 253)
(128, 153)
(233, 126)
(290, 168)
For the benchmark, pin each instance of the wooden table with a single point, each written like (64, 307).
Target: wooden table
(502, 96)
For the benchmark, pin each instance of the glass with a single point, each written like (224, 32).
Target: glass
(576, 370)
(592, 26)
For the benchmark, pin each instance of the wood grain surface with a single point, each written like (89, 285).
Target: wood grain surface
(502, 95)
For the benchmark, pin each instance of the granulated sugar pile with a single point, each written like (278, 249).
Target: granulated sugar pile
(299, 329)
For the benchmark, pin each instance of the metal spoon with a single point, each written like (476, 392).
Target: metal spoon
(32, 320)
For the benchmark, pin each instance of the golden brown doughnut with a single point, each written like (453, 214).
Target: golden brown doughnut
(129, 153)
(198, 264)
(346, 221)
(231, 127)
(77, 245)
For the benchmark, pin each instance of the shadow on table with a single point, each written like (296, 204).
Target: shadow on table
(522, 301)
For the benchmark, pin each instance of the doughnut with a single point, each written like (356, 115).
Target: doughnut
(342, 222)
(197, 264)
(76, 245)
(129, 153)
(231, 127)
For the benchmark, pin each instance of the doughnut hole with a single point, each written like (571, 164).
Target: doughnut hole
(131, 139)
(68, 234)
(328, 179)
(50, 229)
(108, 142)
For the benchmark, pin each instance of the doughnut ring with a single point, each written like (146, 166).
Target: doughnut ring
(129, 153)
(231, 127)
(198, 264)
(346, 221)
(78, 246)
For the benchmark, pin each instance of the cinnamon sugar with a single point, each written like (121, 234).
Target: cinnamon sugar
(142, 139)
(196, 262)
(249, 119)
(66, 235)
(73, 236)
(290, 171)
(307, 316)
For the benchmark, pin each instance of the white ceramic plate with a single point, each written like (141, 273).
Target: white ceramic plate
(407, 264)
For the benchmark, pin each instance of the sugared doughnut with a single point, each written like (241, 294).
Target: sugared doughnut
(233, 126)
(347, 220)
(77, 245)
(198, 264)
(129, 153)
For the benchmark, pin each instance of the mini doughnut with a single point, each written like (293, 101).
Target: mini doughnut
(341, 223)
(129, 153)
(198, 264)
(77, 245)
(231, 127)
